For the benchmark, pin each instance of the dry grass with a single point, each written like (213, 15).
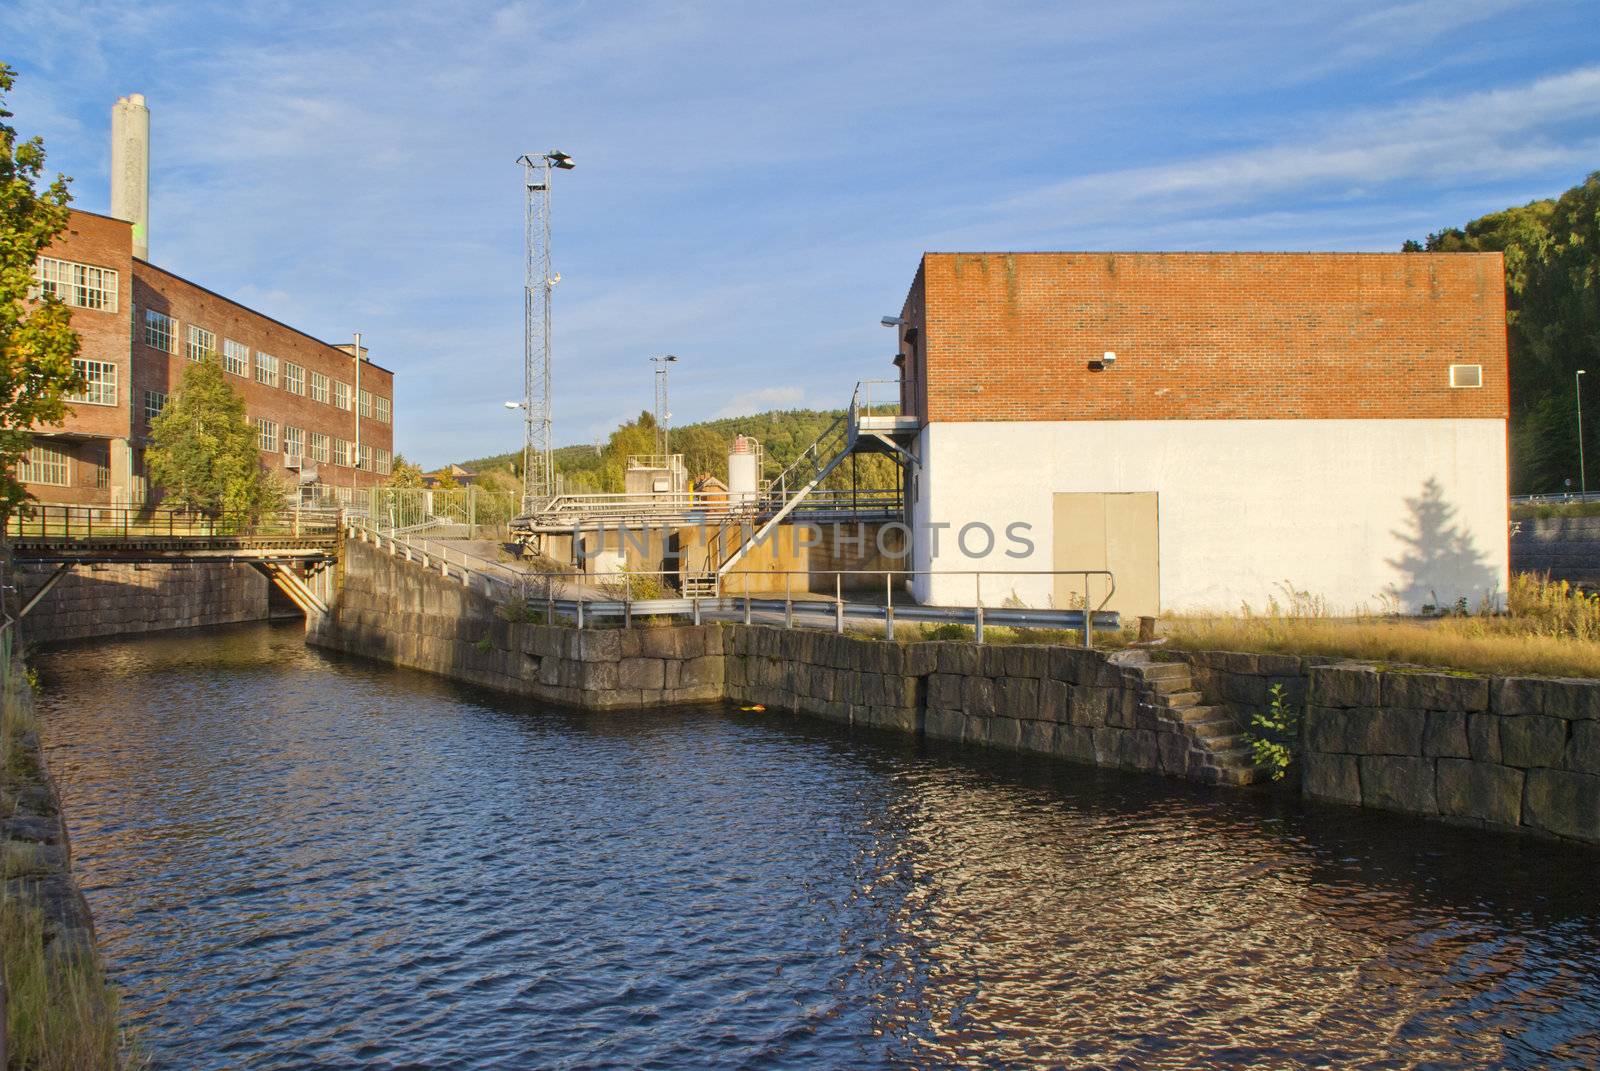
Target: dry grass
(60, 1014)
(59, 1011)
(1551, 630)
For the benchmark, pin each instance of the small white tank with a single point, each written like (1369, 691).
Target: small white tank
(744, 471)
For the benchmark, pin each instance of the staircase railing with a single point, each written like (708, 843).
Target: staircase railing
(804, 473)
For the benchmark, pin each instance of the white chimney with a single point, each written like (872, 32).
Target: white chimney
(130, 168)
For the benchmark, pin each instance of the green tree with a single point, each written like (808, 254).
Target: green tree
(1552, 259)
(203, 453)
(37, 343)
(404, 474)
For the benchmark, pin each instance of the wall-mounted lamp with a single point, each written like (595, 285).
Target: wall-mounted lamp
(893, 321)
(1104, 362)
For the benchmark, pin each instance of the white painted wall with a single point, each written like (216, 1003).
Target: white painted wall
(1247, 507)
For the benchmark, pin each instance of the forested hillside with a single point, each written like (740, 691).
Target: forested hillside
(1552, 254)
(783, 435)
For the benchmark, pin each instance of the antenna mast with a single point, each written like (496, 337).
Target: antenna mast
(538, 463)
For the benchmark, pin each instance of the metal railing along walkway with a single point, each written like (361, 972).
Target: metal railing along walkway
(571, 595)
(100, 527)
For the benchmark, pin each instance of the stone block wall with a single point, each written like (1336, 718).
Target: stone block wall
(1568, 548)
(1241, 683)
(115, 599)
(1502, 752)
(1068, 702)
(399, 612)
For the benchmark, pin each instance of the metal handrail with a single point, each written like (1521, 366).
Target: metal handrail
(90, 522)
(582, 604)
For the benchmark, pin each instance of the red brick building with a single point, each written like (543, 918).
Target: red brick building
(141, 326)
(1216, 428)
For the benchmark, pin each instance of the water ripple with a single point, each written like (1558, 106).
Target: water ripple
(297, 860)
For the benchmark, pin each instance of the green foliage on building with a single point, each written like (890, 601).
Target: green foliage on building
(203, 452)
(1552, 255)
(37, 343)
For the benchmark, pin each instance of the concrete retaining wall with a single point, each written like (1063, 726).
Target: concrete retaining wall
(115, 600)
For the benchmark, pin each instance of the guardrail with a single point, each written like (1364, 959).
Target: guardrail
(119, 523)
(497, 580)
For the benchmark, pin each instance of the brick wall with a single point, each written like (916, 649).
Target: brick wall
(103, 243)
(117, 336)
(189, 303)
(1205, 336)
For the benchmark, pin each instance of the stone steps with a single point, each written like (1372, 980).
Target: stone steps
(1227, 758)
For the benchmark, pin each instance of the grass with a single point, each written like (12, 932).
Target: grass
(60, 1013)
(1551, 629)
(1524, 511)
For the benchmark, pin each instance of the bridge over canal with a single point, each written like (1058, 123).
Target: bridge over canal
(294, 549)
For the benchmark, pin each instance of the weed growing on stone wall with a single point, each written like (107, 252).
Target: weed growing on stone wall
(1279, 727)
(484, 645)
(521, 611)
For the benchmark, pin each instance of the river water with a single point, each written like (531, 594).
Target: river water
(300, 860)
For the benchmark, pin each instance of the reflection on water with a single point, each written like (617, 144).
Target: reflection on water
(301, 860)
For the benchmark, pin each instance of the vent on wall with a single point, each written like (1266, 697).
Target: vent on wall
(1466, 375)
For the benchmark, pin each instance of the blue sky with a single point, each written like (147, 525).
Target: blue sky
(755, 182)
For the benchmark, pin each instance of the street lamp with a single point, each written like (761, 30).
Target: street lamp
(663, 414)
(1583, 481)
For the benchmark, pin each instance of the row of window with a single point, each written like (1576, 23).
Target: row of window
(161, 332)
(47, 464)
(82, 285)
(298, 443)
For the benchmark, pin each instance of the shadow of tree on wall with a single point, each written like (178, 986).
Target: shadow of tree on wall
(1441, 563)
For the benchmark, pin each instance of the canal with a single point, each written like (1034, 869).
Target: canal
(301, 860)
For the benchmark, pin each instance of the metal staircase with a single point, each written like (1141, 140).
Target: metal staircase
(859, 430)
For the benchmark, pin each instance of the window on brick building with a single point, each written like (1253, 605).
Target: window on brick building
(82, 285)
(341, 394)
(267, 431)
(160, 331)
(319, 447)
(366, 404)
(319, 388)
(294, 378)
(366, 456)
(45, 464)
(236, 357)
(294, 440)
(381, 409)
(154, 402)
(385, 462)
(100, 382)
(341, 452)
(200, 344)
(266, 369)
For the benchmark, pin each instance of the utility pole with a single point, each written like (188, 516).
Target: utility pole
(538, 463)
(1583, 479)
(663, 410)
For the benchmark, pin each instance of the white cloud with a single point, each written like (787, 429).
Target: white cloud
(1486, 135)
(757, 401)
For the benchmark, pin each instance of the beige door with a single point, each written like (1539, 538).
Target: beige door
(1097, 530)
